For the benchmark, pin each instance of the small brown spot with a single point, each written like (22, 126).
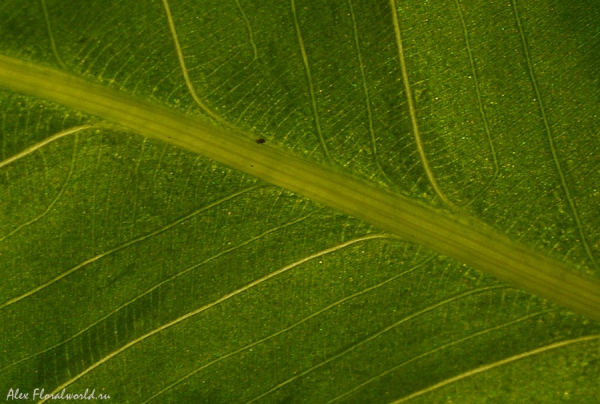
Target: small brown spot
(260, 141)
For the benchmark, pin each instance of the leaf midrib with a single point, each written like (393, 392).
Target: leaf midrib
(464, 239)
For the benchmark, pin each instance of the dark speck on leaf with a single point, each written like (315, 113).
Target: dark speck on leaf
(260, 141)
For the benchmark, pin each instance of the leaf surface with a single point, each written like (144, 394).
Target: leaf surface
(154, 251)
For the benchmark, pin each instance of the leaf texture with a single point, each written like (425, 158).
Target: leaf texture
(156, 274)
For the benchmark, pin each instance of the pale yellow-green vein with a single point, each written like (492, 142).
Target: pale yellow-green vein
(464, 239)
(209, 306)
(491, 366)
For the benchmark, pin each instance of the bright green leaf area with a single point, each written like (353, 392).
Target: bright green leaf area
(420, 224)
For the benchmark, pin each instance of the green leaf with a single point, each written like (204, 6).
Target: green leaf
(428, 176)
